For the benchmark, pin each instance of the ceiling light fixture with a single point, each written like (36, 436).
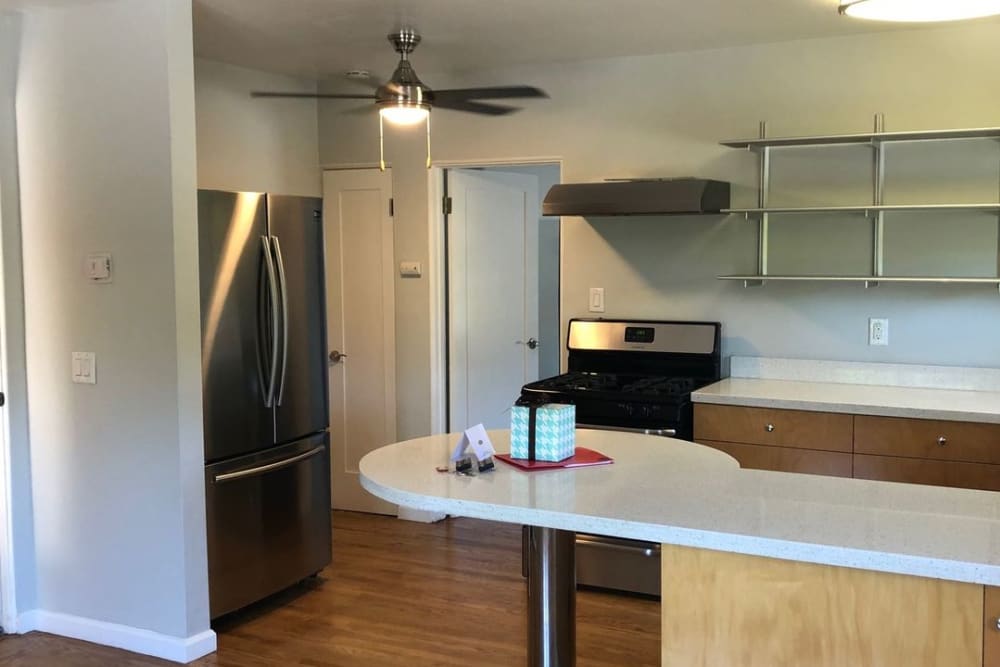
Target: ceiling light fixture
(404, 115)
(920, 11)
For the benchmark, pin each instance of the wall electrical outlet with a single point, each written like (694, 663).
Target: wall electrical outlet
(596, 300)
(878, 331)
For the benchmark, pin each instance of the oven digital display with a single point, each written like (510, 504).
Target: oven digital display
(639, 334)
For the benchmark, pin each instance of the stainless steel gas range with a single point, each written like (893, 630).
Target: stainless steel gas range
(631, 375)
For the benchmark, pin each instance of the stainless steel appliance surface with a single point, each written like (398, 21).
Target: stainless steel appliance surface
(267, 449)
(631, 375)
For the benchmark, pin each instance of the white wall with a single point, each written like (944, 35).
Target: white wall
(258, 145)
(105, 114)
(664, 116)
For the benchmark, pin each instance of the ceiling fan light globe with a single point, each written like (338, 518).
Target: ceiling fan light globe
(920, 11)
(404, 114)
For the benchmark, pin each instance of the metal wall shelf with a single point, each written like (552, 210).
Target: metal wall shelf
(867, 138)
(869, 280)
(869, 208)
(876, 210)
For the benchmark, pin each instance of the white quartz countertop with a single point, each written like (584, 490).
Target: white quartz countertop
(862, 399)
(676, 492)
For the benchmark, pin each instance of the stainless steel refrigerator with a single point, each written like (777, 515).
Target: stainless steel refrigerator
(267, 449)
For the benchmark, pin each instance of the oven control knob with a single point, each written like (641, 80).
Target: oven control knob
(646, 411)
(628, 408)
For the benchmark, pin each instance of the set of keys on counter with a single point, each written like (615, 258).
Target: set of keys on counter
(474, 438)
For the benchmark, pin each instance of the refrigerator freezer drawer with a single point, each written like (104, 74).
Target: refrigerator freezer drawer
(268, 521)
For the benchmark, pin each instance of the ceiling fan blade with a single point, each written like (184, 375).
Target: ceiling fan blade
(475, 107)
(494, 93)
(313, 96)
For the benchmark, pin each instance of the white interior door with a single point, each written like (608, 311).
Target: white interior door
(492, 294)
(360, 327)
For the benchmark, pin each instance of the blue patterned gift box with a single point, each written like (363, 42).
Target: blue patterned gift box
(555, 431)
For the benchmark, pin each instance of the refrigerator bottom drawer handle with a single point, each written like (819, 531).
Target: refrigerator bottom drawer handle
(260, 470)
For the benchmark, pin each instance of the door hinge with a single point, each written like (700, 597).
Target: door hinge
(392, 207)
(446, 205)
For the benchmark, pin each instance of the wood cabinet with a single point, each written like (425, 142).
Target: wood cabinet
(927, 439)
(786, 459)
(991, 627)
(731, 609)
(958, 474)
(817, 443)
(779, 428)
(893, 449)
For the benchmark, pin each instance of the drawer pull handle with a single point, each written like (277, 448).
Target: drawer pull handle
(942, 441)
(998, 624)
(769, 428)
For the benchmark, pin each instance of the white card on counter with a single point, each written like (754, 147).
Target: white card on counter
(476, 438)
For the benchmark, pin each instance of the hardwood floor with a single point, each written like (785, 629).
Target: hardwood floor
(398, 594)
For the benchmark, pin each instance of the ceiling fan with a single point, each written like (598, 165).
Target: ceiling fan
(405, 100)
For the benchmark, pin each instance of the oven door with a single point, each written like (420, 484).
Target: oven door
(661, 431)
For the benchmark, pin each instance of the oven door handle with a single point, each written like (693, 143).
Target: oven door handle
(660, 432)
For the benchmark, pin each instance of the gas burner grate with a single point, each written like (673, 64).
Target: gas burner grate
(660, 386)
(581, 382)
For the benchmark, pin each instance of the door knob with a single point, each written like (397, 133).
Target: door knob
(532, 343)
(336, 357)
(769, 428)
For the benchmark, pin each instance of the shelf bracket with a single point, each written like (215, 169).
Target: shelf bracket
(763, 191)
(878, 199)
(752, 283)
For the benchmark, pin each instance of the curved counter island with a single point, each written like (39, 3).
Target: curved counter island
(837, 571)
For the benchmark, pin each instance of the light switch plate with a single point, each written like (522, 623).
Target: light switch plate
(596, 300)
(84, 368)
(97, 267)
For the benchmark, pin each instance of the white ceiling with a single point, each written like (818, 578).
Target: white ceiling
(320, 38)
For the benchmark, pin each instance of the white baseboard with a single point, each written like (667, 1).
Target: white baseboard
(137, 640)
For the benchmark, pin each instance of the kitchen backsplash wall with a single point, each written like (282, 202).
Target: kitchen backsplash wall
(664, 116)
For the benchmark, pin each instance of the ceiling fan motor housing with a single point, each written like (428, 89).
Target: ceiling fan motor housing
(404, 41)
(404, 88)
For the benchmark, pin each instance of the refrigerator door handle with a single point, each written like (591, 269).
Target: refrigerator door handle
(260, 470)
(284, 317)
(273, 287)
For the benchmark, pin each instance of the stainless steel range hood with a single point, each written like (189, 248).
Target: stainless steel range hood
(671, 196)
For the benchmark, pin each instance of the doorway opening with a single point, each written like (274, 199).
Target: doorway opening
(498, 312)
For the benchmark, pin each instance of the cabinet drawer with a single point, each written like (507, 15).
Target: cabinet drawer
(927, 439)
(786, 459)
(779, 428)
(924, 471)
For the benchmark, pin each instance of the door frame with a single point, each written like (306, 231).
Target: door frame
(437, 273)
(14, 436)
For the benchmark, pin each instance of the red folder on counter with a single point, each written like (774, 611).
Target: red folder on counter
(581, 458)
